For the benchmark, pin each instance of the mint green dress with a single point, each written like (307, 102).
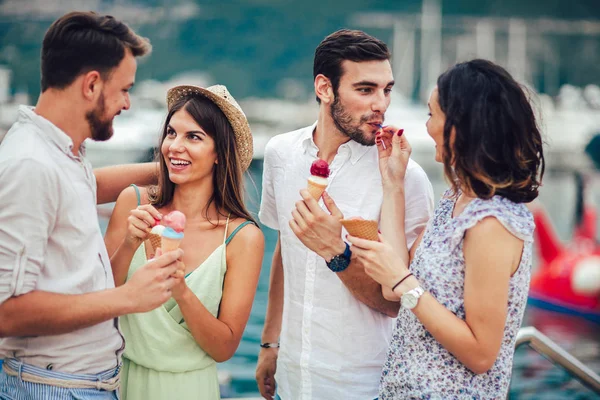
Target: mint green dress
(162, 360)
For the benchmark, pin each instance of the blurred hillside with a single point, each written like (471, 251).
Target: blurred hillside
(263, 48)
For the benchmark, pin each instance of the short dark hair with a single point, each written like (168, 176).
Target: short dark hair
(497, 148)
(346, 44)
(79, 42)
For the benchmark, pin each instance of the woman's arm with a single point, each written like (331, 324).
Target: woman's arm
(402, 219)
(492, 255)
(387, 291)
(120, 243)
(220, 337)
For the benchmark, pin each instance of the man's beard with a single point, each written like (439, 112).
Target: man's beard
(343, 121)
(101, 129)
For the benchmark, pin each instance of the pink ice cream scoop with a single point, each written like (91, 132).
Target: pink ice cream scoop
(320, 168)
(172, 234)
(174, 220)
(317, 182)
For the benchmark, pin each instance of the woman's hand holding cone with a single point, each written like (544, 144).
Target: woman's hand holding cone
(381, 261)
(140, 222)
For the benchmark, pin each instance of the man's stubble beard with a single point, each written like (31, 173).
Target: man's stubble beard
(101, 130)
(343, 122)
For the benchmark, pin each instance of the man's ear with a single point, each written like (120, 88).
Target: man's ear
(91, 85)
(324, 89)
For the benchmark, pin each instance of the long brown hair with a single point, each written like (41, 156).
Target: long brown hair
(228, 180)
(497, 146)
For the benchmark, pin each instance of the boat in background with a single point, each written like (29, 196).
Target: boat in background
(567, 278)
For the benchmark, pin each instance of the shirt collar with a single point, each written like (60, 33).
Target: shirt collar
(54, 134)
(308, 143)
(356, 149)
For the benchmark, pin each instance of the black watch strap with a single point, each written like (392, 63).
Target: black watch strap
(269, 345)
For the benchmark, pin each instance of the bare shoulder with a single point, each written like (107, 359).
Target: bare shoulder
(492, 249)
(490, 231)
(245, 251)
(129, 196)
(248, 243)
(249, 234)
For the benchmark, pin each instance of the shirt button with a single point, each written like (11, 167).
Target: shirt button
(49, 367)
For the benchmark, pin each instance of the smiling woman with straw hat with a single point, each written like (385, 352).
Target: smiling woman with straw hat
(205, 147)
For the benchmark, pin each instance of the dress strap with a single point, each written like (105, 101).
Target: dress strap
(226, 227)
(236, 230)
(137, 193)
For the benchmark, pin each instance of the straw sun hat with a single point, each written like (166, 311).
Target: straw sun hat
(219, 95)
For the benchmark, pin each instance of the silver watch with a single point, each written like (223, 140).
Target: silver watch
(410, 299)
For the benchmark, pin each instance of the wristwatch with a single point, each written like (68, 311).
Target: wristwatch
(269, 345)
(410, 299)
(341, 261)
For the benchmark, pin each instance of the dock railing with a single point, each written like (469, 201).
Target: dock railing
(559, 356)
(553, 352)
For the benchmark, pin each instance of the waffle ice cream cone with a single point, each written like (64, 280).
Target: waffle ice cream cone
(315, 189)
(169, 244)
(154, 241)
(361, 228)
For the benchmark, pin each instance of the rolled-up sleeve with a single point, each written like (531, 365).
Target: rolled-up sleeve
(268, 205)
(28, 203)
(418, 203)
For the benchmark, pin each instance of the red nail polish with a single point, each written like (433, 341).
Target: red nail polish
(400, 132)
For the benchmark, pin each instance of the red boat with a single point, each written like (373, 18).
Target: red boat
(567, 278)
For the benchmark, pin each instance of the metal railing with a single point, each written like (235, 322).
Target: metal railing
(552, 351)
(559, 356)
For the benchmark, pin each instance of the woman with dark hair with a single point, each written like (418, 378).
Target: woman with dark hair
(463, 285)
(171, 352)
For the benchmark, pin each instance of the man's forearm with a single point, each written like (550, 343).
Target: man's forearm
(111, 181)
(272, 326)
(366, 290)
(44, 313)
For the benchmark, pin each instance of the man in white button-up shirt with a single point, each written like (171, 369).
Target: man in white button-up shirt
(58, 302)
(333, 327)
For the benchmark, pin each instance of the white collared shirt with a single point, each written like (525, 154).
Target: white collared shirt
(50, 240)
(332, 345)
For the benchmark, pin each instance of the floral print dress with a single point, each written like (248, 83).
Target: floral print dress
(418, 367)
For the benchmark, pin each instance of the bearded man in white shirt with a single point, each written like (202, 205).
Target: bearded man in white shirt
(59, 333)
(328, 325)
